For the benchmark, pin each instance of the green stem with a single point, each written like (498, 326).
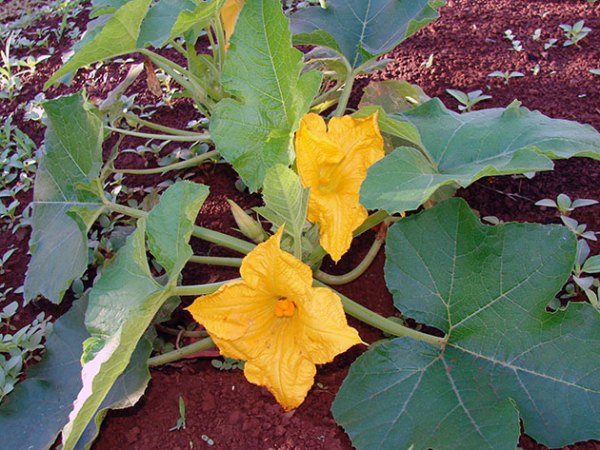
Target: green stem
(325, 95)
(156, 126)
(190, 137)
(336, 280)
(198, 289)
(216, 261)
(221, 41)
(192, 162)
(343, 102)
(384, 324)
(221, 239)
(182, 352)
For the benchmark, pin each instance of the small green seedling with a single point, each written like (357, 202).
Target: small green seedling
(574, 33)
(181, 421)
(468, 100)
(550, 43)
(536, 34)
(227, 364)
(516, 44)
(428, 62)
(595, 71)
(578, 229)
(585, 264)
(506, 76)
(564, 204)
(7, 313)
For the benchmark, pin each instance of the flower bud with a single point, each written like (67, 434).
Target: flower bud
(249, 227)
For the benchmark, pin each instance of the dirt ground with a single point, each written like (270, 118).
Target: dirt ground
(467, 43)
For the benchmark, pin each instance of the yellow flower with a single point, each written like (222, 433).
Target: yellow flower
(276, 321)
(229, 15)
(333, 161)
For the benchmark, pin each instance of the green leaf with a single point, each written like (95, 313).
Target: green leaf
(398, 132)
(393, 95)
(168, 19)
(117, 37)
(263, 72)
(73, 157)
(35, 412)
(286, 202)
(122, 304)
(125, 300)
(506, 357)
(362, 29)
(469, 146)
(592, 265)
(171, 222)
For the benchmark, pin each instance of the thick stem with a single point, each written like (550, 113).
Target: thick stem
(343, 102)
(198, 289)
(192, 162)
(190, 137)
(156, 126)
(221, 41)
(224, 240)
(386, 325)
(336, 280)
(175, 355)
(216, 261)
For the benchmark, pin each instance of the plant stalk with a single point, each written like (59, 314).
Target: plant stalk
(336, 280)
(166, 358)
(190, 137)
(192, 162)
(156, 126)
(198, 289)
(346, 92)
(382, 323)
(216, 261)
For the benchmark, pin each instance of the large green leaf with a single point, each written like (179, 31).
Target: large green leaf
(286, 202)
(466, 147)
(253, 131)
(126, 299)
(171, 222)
(35, 412)
(362, 29)
(117, 36)
(168, 19)
(58, 246)
(506, 357)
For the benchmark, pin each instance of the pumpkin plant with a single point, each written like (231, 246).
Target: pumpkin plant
(490, 355)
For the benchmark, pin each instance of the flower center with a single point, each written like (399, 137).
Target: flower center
(284, 307)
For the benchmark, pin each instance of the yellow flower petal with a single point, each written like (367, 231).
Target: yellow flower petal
(267, 268)
(277, 322)
(229, 15)
(325, 330)
(333, 161)
(283, 368)
(238, 314)
(338, 216)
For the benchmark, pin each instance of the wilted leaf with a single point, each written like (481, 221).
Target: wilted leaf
(63, 213)
(469, 146)
(506, 357)
(34, 413)
(126, 299)
(262, 71)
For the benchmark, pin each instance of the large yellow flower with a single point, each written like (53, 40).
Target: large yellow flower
(333, 161)
(276, 321)
(229, 15)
